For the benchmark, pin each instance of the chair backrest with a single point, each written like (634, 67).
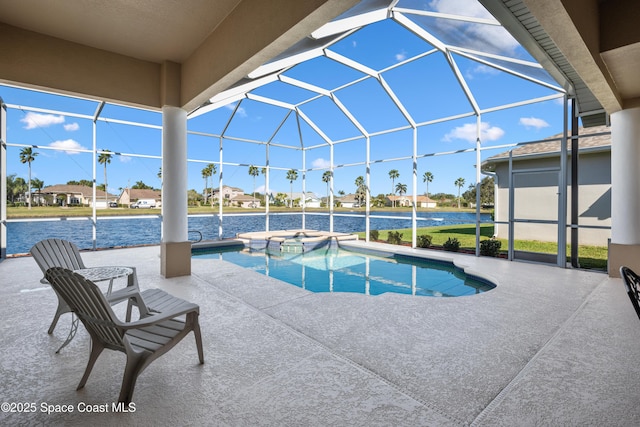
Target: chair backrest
(632, 284)
(56, 253)
(89, 304)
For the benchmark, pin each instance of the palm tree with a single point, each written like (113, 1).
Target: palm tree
(292, 175)
(393, 174)
(401, 188)
(208, 171)
(341, 192)
(27, 155)
(38, 184)
(253, 171)
(427, 177)
(326, 178)
(267, 195)
(361, 190)
(104, 159)
(459, 183)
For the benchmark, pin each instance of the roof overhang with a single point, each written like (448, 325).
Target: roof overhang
(592, 45)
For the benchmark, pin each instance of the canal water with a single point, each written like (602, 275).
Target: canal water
(116, 232)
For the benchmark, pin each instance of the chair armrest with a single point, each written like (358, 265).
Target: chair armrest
(161, 317)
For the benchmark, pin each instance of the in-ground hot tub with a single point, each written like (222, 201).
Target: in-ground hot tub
(297, 241)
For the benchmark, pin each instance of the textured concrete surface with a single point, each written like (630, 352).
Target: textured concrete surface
(548, 346)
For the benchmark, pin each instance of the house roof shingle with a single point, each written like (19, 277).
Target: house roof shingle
(87, 192)
(601, 139)
(139, 193)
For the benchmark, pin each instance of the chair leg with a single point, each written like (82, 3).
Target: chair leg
(196, 333)
(96, 349)
(135, 365)
(62, 308)
(129, 310)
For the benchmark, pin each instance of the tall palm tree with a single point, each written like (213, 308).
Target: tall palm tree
(253, 171)
(361, 190)
(27, 155)
(267, 195)
(104, 159)
(292, 175)
(207, 172)
(38, 184)
(401, 188)
(393, 174)
(427, 177)
(459, 183)
(326, 178)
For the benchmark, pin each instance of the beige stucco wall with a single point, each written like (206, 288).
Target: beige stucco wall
(536, 198)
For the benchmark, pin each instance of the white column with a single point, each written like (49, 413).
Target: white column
(625, 177)
(174, 171)
(3, 180)
(175, 250)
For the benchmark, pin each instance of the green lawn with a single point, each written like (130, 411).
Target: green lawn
(594, 257)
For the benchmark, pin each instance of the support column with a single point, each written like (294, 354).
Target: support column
(624, 248)
(175, 249)
(3, 180)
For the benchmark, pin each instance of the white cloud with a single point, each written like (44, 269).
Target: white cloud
(467, 132)
(71, 127)
(260, 189)
(401, 56)
(34, 120)
(482, 37)
(481, 69)
(240, 112)
(354, 44)
(124, 159)
(461, 7)
(68, 144)
(321, 163)
(533, 122)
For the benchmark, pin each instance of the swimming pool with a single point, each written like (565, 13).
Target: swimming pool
(340, 270)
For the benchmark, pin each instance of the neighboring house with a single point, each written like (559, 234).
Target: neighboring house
(348, 201)
(308, 200)
(406, 200)
(132, 195)
(245, 201)
(227, 192)
(536, 188)
(73, 195)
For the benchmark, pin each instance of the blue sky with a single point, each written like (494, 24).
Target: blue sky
(426, 87)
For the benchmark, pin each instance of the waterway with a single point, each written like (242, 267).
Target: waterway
(116, 232)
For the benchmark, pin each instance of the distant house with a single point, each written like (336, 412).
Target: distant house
(349, 201)
(132, 195)
(75, 195)
(227, 192)
(535, 178)
(245, 201)
(407, 200)
(309, 200)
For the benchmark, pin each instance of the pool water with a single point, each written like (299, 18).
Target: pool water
(340, 270)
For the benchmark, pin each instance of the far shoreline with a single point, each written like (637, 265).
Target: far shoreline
(65, 212)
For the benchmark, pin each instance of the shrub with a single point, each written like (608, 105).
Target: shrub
(394, 237)
(374, 234)
(424, 241)
(452, 245)
(490, 247)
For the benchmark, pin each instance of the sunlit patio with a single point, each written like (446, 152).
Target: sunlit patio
(547, 346)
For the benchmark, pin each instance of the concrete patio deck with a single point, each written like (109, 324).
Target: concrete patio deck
(548, 346)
